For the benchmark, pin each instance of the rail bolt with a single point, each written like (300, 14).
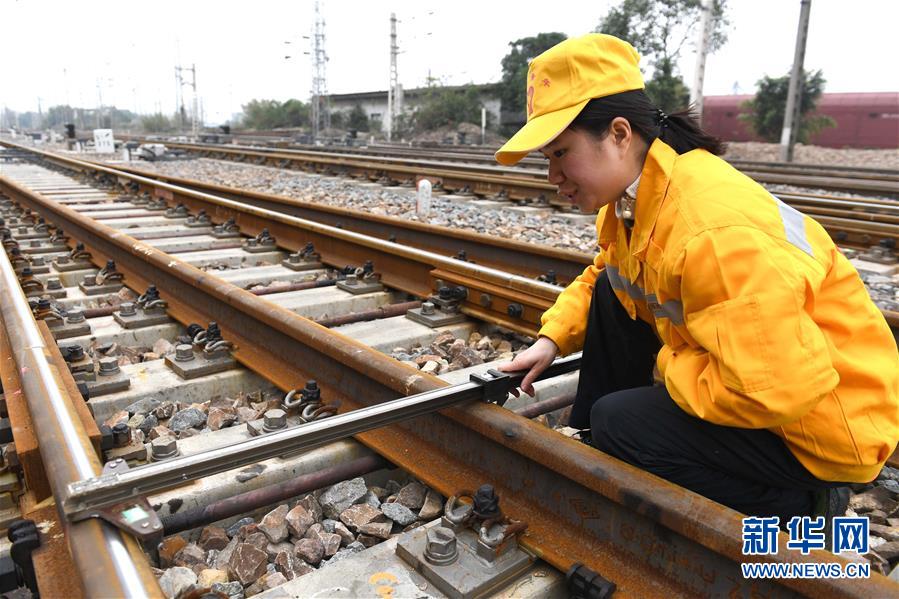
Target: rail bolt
(441, 548)
(75, 315)
(90, 280)
(37, 261)
(294, 258)
(121, 435)
(184, 352)
(428, 308)
(54, 283)
(515, 310)
(108, 366)
(23, 230)
(352, 279)
(163, 447)
(35, 243)
(274, 420)
(127, 309)
(62, 260)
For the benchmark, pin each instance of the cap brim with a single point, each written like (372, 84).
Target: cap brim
(538, 132)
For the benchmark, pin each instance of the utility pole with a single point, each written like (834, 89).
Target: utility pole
(321, 114)
(99, 104)
(794, 95)
(179, 103)
(196, 115)
(702, 50)
(394, 95)
(195, 125)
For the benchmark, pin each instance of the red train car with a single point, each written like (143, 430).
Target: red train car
(863, 120)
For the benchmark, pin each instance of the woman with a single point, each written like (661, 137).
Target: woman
(780, 375)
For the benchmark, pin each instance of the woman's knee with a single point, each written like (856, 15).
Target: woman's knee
(618, 418)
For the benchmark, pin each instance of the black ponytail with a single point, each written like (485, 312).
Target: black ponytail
(680, 130)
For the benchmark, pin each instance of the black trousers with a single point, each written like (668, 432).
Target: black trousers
(749, 470)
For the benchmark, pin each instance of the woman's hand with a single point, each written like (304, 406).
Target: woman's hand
(535, 360)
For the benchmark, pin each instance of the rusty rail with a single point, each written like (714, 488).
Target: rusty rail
(111, 564)
(649, 536)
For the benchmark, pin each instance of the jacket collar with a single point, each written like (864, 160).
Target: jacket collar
(653, 187)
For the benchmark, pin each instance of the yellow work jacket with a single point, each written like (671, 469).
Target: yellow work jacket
(764, 323)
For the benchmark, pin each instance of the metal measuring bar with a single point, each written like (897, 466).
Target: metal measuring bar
(87, 498)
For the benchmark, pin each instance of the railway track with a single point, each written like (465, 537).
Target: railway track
(852, 224)
(644, 535)
(866, 181)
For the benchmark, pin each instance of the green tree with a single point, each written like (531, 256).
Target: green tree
(666, 89)
(659, 29)
(448, 107)
(357, 119)
(293, 113)
(59, 115)
(156, 123)
(515, 69)
(765, 112)
(271, 114)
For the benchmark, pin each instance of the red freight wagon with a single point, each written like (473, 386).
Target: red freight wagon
(863, 120)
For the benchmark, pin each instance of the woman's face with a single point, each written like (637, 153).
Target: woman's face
(593, 172)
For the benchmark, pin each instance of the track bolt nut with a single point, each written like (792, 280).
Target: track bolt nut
(62, 260)
(352, 279)
(294, 258)
(54, 283)
(75, 315)
(37, 261)
(23, 230)
(163, 447)
(184, 352)
(90, 280)
(121, 435)
(428, 308)
(441, 548)
(127, 309)
(274, 420)
(108, 366)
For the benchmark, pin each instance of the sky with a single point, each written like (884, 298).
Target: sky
(125, 53)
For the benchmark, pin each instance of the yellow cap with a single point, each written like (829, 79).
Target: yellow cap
(563, 79)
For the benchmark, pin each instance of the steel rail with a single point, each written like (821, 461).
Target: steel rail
(400, 165)
(84, 497)
(527, 259)
(404, 268)
(110, 563)
(416, 234)
(649, 536)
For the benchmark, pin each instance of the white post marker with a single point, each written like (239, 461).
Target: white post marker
(103, 141)
(423, 202)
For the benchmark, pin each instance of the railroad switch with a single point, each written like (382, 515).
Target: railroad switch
(226, 230)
